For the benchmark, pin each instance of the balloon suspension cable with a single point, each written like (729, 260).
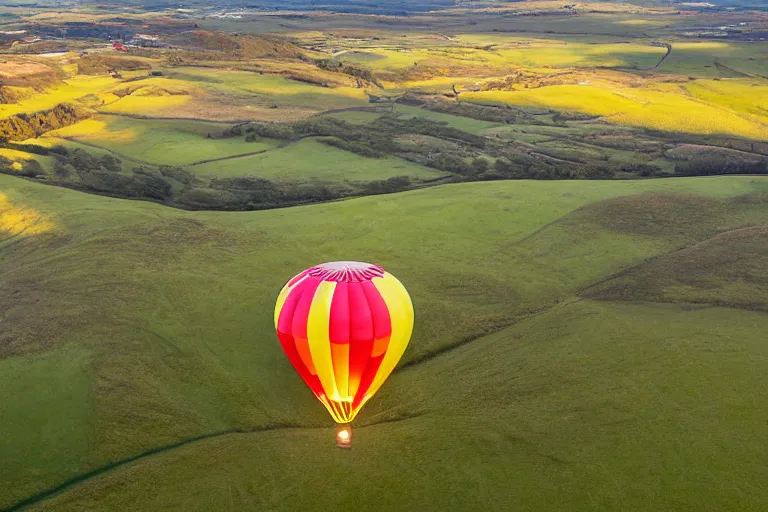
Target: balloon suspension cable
(344, 436)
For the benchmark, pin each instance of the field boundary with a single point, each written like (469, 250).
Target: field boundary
(669, 52)
(154, 118)
(230, 157)
(102, 148)
(139, 161)
(578, 294)
(651, 259)
(428, 356)
(53, 491)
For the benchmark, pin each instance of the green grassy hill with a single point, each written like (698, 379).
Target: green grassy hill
(311, 160)
(161, 142)
(534, 380)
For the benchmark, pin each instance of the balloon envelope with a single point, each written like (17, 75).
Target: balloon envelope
(344, 326)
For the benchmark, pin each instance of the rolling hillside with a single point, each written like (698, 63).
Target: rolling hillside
(131, 331)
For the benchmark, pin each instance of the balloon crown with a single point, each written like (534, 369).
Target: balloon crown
(346, 271)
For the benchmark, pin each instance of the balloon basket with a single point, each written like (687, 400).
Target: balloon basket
(344, 437)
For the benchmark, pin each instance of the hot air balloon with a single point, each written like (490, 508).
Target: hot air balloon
(344, 326)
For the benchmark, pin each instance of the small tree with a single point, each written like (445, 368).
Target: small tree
(111, 163)
(82, 160)
(32, 168)
(62, 169)
(480, 165)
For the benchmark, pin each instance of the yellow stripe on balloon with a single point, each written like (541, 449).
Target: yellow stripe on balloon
(283, 297)
(319, 338)
(281, 301)
(331, 410)
(340, 354)
(401, 316)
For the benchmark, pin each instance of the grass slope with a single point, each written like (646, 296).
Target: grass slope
(163, 322)
(310, 159)
(589, 407)
(460, 123)
(405, 112)
(729, 269)
(161, 142)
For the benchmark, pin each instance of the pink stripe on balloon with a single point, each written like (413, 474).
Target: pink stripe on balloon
(339, 326)
(295, 313)
(361, 321)
(382, 324)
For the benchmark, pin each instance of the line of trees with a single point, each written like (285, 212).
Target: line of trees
(348, 69)
(712, 165)
(28, 126)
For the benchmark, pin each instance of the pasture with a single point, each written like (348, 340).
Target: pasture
(161, 142)
(186, 297)
(311, 160)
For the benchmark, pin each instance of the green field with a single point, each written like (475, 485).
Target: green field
(355, 117)
(581, 437)
(460, 123)
(160, 324)
(159, 141)
(311, 160)
(406, 112)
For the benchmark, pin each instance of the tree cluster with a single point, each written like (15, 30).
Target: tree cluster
(346, 68)
(707, 166)
(29, 126)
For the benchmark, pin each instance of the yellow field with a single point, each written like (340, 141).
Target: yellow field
(656, 108)
(746, 97)
(68, 91)
(87, 127)
(639, 22)
(587, 99)
(672, 112)
(45, 141)
(704, 46)
(13, 154)
(147, 105)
